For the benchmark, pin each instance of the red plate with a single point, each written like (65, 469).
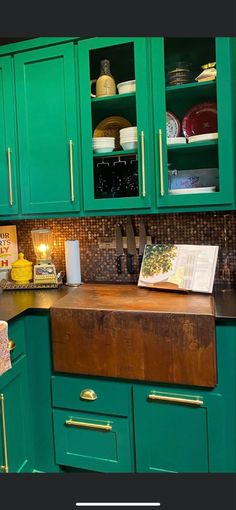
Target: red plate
(200, 119)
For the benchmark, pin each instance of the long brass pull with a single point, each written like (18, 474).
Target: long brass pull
(143, 165)
(176, 400)
(9, 175)
(74, 423)
(88, 394)
(71, 171)
(161, 163)
(11, 345)
(4, 468)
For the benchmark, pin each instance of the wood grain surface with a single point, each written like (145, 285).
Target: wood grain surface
(102, 330)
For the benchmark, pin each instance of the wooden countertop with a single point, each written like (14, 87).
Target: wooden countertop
(133, 298)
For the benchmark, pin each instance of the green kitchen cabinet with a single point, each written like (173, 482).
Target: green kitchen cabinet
(47, 103)
(120, 179)
(209, 164)
(8, 147)
(93, 425)
(15, 439)
(178, 430)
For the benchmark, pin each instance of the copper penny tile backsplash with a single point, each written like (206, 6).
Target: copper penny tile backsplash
(213, 228)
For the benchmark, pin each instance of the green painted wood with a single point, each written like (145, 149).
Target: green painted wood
(16, 332)
(112, 397)
(89, 118)
(7, 138)
(34, 43)
(47, 121)
(92, 449)
(226, 122)
(38, 344)
(175, 437)
(14, 387)
(226, 362)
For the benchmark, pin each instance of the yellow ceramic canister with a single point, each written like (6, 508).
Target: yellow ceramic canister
(21, 271)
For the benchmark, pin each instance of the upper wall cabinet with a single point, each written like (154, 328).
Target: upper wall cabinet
(47, 129)
(8, 187)
(193, 170)
(117, 178)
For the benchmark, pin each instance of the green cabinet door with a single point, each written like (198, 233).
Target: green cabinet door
(15, 439)
(47, 129)
(91, 441)
(8, 188)
(209, 164)
(174, 436)
(120, 179)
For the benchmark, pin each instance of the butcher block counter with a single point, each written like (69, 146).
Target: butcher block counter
(129, 332)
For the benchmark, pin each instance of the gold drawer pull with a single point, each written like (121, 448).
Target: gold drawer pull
(88, 394)
(9, 175)
(161, 163)
(176, 400)
(11, 345)
(74, 423)
(4, 468)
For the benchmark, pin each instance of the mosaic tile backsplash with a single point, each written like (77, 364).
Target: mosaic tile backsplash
(99, 265)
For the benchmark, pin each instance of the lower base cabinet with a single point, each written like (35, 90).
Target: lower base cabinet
(178, 430)
(93, 424)
(15, 454)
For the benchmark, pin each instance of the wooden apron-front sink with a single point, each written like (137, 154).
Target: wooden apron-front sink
(124, 331)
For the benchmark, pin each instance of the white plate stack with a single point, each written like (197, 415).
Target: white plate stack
(103, 143)
(129, 138)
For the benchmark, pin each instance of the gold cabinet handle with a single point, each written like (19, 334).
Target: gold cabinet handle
(176, 400)
(161, 162)
(71, 171)
(88, 394)
(4, 468)
(9, 175)
(143, 165)
(11, 345)
(73, 423)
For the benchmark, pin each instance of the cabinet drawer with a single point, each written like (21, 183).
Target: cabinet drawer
(16, 333)
(109, 397)
(92, 441)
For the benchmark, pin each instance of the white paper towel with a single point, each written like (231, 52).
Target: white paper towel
(72, 256)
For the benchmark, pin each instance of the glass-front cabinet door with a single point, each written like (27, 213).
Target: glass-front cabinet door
(193, 121)
(115, 123)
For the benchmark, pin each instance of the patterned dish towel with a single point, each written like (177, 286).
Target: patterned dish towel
(5, 360)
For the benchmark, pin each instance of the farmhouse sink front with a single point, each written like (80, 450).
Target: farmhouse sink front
(123, 331)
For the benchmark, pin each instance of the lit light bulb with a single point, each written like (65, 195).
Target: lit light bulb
(43, 249)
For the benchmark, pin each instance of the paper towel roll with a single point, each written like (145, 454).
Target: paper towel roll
(72, 255)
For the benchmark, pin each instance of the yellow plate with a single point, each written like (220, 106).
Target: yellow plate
(111, 127)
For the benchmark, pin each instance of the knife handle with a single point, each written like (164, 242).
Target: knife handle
(130, 267)
(118, 264)
(140, 258)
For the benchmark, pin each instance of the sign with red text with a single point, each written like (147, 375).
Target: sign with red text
(8, 246)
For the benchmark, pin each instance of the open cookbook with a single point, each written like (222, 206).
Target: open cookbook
(183, 267)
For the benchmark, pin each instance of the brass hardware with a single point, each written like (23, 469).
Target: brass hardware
(74, 423)
(209, 65)
(176, 400)
(4, 468)
(88, 394)
(143, 165)
(161, 163)
(11, 345)
(9, 175)
(71, 171)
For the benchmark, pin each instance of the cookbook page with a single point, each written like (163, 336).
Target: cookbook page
(179, 267)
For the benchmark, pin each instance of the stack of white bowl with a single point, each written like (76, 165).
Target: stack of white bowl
(103, 143)
(129, 138)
